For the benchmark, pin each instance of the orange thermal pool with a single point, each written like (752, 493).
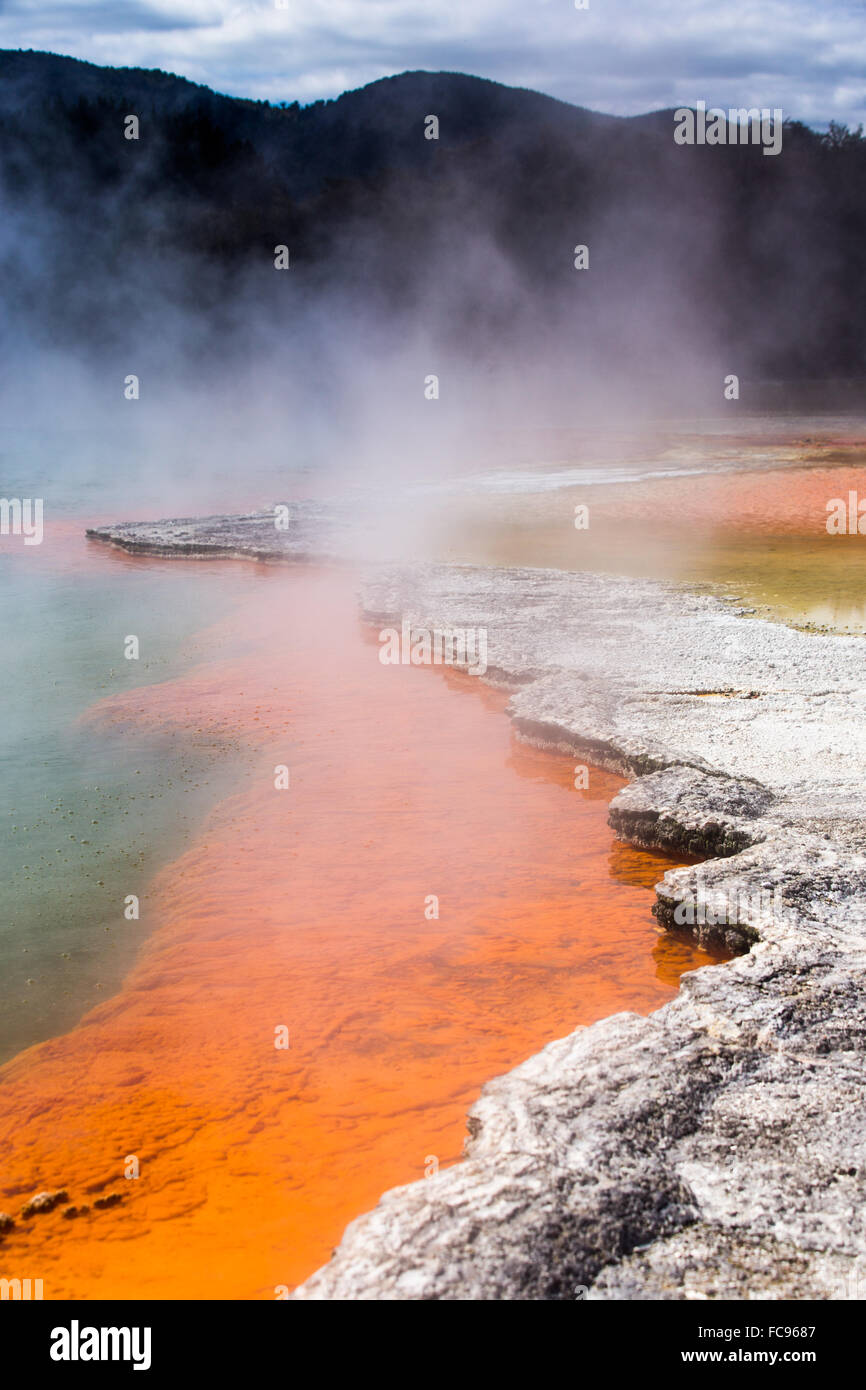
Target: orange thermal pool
(304, 909)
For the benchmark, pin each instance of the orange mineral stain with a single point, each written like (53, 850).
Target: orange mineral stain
(778, 502)
(312, 909)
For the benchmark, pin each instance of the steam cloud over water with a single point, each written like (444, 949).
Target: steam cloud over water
(299, 858)
(409, 258)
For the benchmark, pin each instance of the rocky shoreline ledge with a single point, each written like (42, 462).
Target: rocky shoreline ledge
(715, 1148)
(307, 532)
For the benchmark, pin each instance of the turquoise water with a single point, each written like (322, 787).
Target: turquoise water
(88, 815)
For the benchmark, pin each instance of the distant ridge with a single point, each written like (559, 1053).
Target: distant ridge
(756, 260)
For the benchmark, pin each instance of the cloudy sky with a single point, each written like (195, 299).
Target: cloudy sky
(622, 56)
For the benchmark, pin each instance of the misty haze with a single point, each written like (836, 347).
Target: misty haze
(433, 578)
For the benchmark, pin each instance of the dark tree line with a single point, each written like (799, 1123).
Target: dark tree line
(762, 250)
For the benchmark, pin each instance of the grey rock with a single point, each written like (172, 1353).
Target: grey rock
(684, 810)
(111, 1199)
(43, 1202)
(312, 534)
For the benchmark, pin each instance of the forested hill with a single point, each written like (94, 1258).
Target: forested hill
(762, 251)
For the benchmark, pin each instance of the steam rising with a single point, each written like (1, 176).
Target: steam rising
(409, 259)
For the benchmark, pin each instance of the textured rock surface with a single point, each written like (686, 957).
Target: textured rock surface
(312, 534)
(717, 1148)
(43, 1202)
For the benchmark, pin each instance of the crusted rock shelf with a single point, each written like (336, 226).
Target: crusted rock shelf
(716, 1147)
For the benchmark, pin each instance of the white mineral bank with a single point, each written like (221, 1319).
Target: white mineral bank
(714, 1149)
